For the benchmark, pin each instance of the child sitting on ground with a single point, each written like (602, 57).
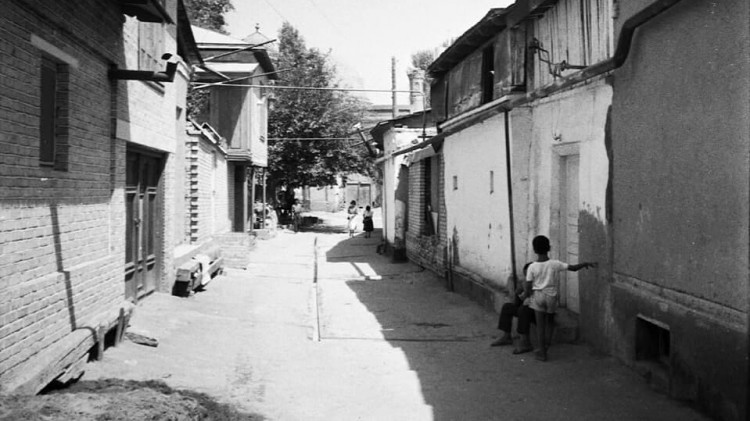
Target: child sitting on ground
(542, 285)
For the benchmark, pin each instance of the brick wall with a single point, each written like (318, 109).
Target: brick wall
(209, 205)
(426, 250)
(61, 229)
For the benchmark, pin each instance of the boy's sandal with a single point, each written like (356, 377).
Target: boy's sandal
(522, 350)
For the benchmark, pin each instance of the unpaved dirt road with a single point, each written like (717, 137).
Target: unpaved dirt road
(321, 327)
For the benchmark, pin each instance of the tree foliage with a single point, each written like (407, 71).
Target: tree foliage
(422, 59)
(305, 114)
(209, 14)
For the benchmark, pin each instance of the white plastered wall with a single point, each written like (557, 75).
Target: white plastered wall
(478, 222)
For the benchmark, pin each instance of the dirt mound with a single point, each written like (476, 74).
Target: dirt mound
(119, 400)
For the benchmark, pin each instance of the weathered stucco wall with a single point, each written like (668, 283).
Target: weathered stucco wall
(678, 168)
(478, 222)
(569, 124)
(566, 124)
(681, 123)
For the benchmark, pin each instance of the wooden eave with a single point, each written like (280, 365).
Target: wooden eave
(186, 45)
(493, 23)
(476, 36)
(261, 56)
(236, 155)
(146, 10)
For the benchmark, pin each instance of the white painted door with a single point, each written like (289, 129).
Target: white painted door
(569, 230)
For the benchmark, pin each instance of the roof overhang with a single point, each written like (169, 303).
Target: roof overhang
(490, 25)
(187, 47)
(146, 10)
(493, 23)
(230, 68)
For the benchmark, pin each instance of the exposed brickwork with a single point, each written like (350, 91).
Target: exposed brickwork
(426, 250)
(62, 227)
(60, 240)
(208, 199)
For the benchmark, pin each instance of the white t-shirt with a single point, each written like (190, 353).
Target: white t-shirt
(544, 276)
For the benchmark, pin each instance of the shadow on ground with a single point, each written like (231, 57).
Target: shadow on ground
(445, 339)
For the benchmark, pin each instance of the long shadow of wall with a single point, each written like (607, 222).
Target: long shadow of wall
(436, 330)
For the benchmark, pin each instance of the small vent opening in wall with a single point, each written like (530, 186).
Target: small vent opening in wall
(652, 341)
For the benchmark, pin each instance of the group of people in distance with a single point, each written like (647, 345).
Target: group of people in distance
(352, 213)
(352, 218)
(536, 301)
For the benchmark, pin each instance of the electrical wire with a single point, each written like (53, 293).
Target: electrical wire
(311, 88)
(281, 15)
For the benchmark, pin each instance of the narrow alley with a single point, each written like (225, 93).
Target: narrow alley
(321, 327)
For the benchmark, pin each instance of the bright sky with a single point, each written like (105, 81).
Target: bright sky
(364, 35)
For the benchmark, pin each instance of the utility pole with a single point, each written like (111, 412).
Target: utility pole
(393, 86)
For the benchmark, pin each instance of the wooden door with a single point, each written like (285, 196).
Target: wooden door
(569, 230)
(142, 224)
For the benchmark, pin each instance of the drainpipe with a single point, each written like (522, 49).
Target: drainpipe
(514, 266)
(166, 76)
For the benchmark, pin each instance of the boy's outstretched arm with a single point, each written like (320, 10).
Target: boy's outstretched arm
(579, 266)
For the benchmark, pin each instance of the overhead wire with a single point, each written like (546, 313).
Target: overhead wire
(312, 88)
(281, 15)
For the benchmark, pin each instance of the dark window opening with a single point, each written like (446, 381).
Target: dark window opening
(488, 74)
(427, 176)
(652, 341)
(53, 114)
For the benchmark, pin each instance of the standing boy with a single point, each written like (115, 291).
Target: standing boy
(542, 285)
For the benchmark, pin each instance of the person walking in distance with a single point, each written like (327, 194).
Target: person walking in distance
(367, 225)
(351, 217)
(296, 214)
(542, 285)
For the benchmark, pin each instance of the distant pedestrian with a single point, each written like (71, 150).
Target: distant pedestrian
(351, 217)
(518, 308)
(542, 285)
(296, 215)
(367, 226)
